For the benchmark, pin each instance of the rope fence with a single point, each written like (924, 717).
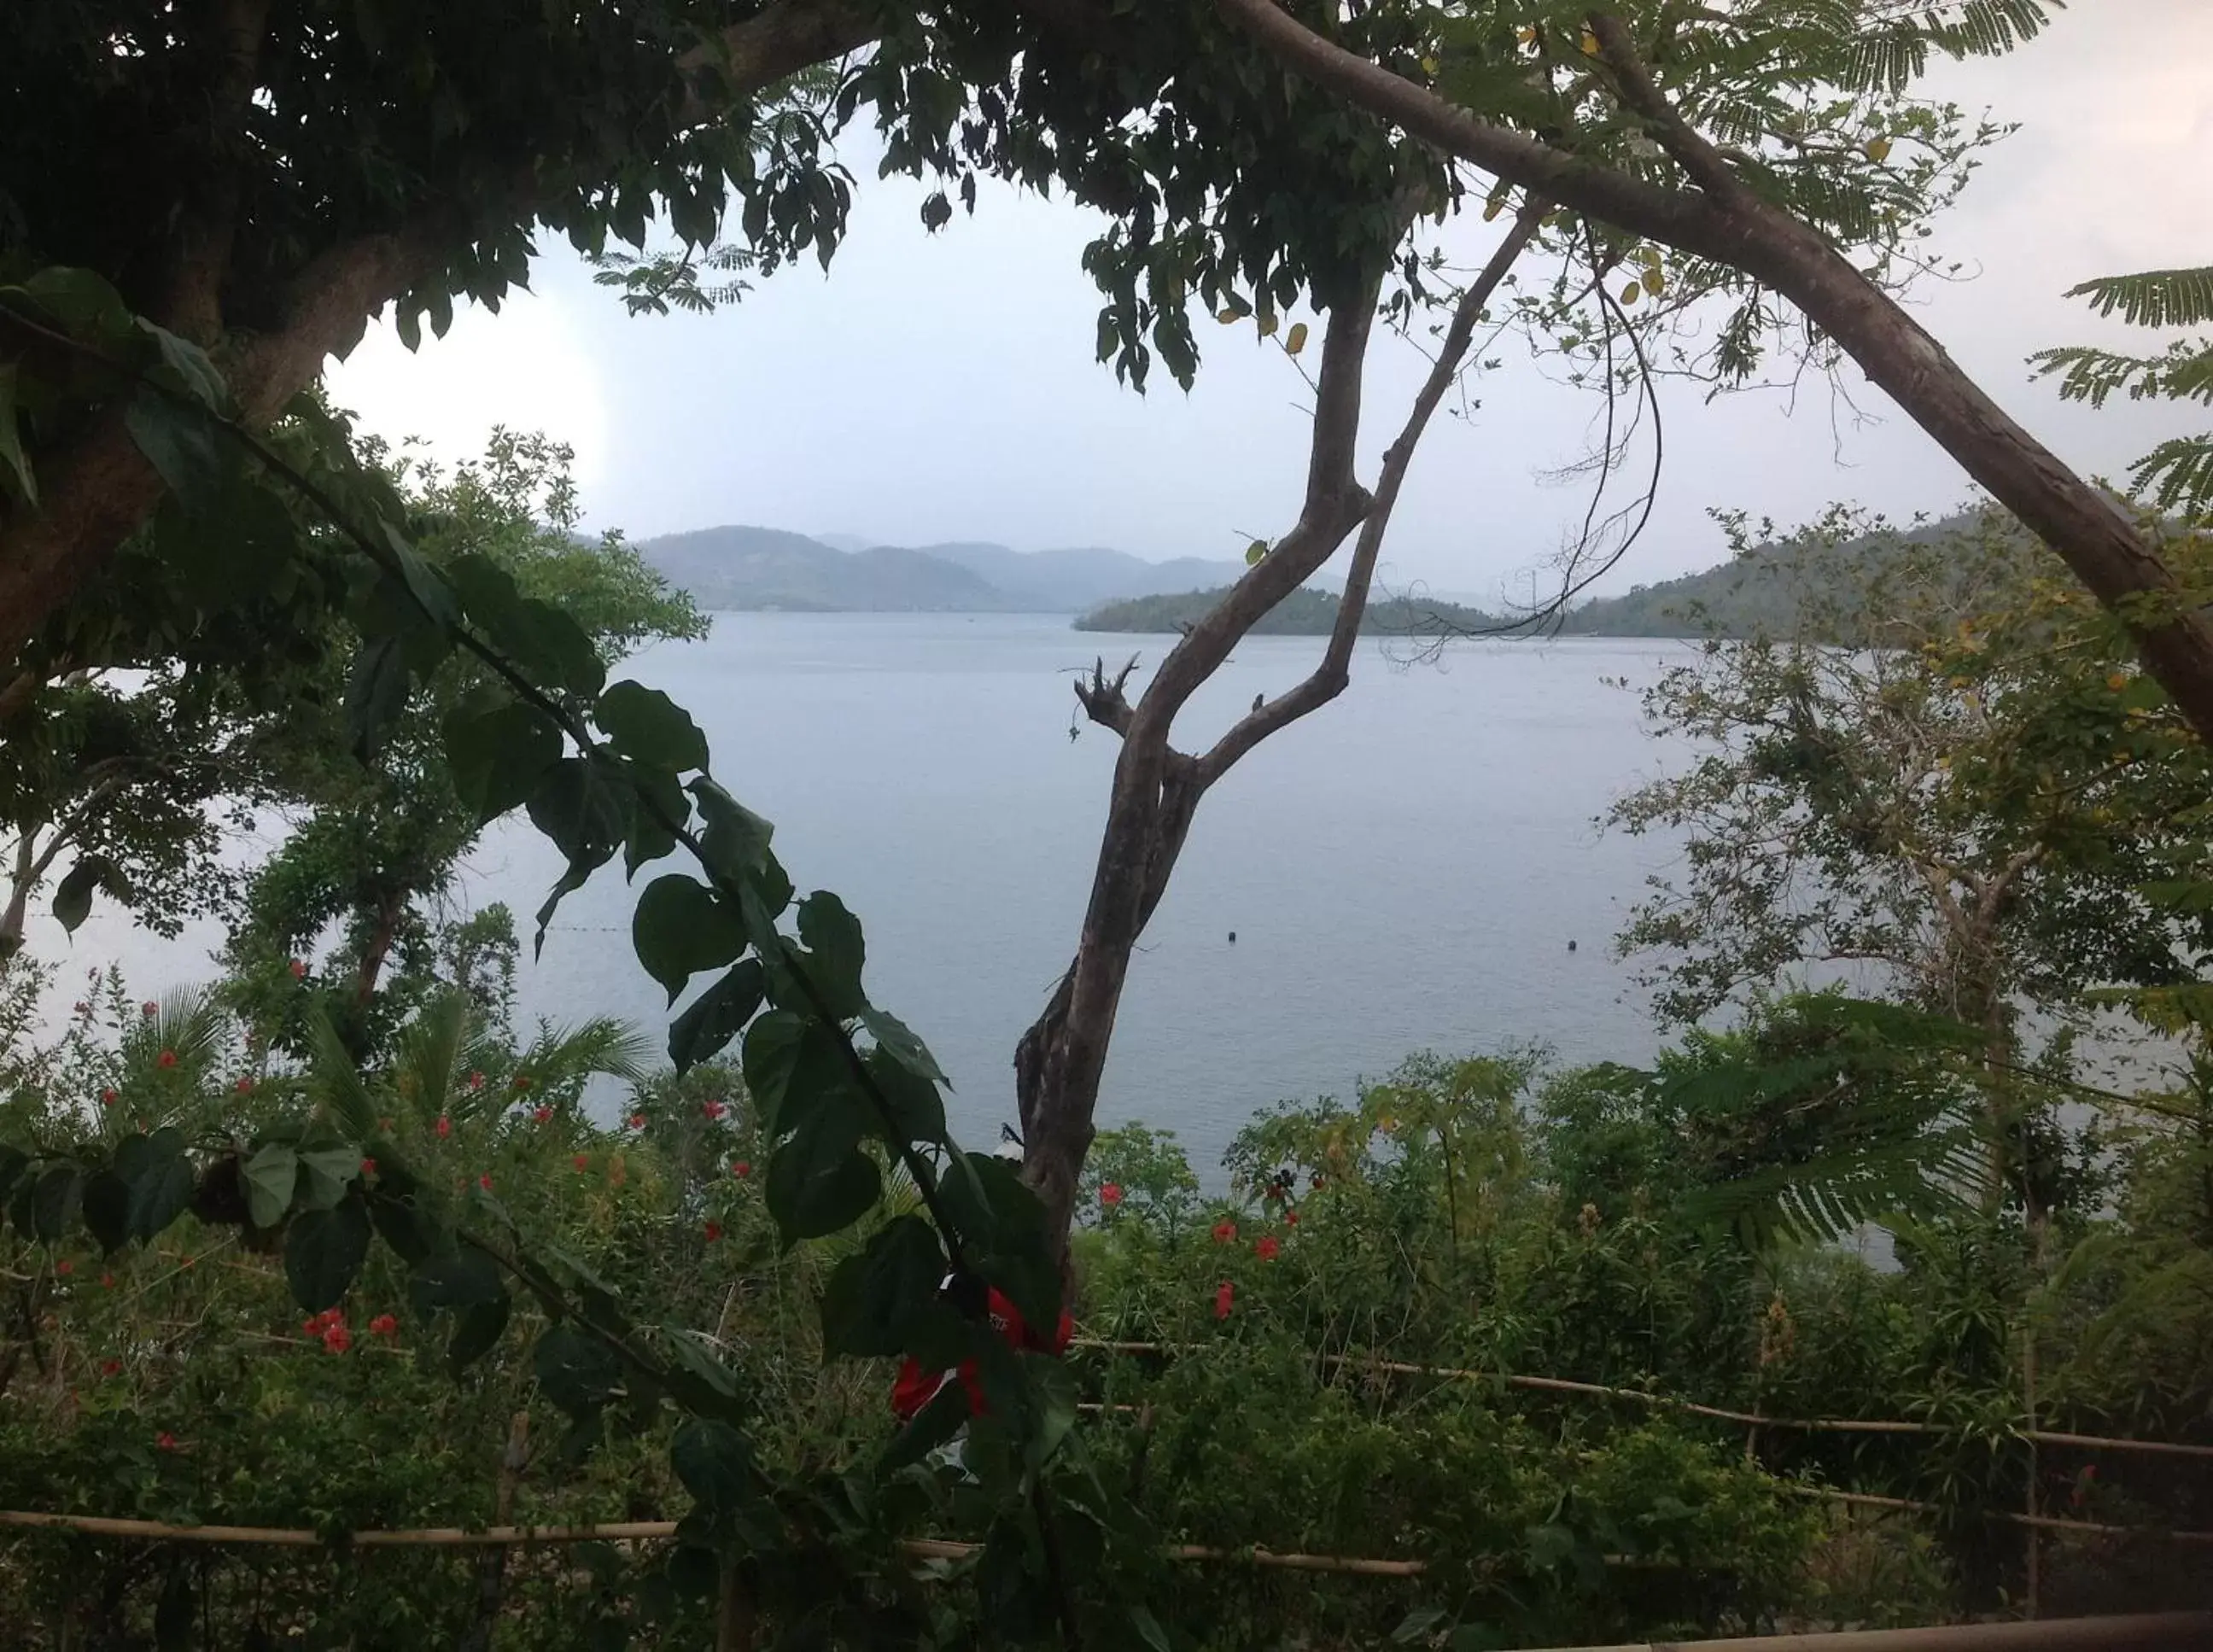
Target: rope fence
(1692, 1408)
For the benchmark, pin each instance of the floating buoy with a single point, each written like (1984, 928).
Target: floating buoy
(1233, 937)
(1572, 946)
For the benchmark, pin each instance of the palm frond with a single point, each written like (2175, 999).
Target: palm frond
(599, 1046)
(190, 1024)
(429, 1056)
(335, 1082)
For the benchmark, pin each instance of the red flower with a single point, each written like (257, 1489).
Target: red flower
(109, 1368)
(521, 1080)
(1266, 1248)
(384, 1325)
(476, 1081)
(107, 1098)
(107, 1282)
(1316, 1182)
(583, 1161)
(444, 1126)
(299, 970)
(167, 1059)
(713, 1109)
(1290, 1218)
(714, 1231)
(64, 1267)
(336, 1339)
(638, 1121)
(1223, 1294)
(484, 1181)
(311, 1327)
(1109, 1193)
(741, 1168)
(1224, 1232)
(165, 1441)
(246, 1087)
(369, 1166)
(543, 1115)
(150, 1008)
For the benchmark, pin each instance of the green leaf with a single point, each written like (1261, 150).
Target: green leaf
(323, 1253)
(1256, 553)
(715, 1464)
(875, 1294)
(86, 306)
(73, 896)
(107, 1210)
(918, 1110)
(736, 840)
(376, 690)
(499, 750)
(181, 445)
(835, 953)
(325, 1174)
(161, 1196)
(698, 1378)
(576, 1371)
(717, 1016)
(813, 1192)
(793, 1066)
(648, 727)
(544, 642)
(893, 1036)
(271, 1176)
(11, 440)
(188, 368)
(576, 807)
(12, 1163)
(477, 1332)
(680, 928)
(55, 1200)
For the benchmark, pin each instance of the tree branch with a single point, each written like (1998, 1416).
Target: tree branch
(98, 492)
(1329, 677)
(2095, 537)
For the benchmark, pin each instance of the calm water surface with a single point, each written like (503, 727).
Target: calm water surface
(1403, 870)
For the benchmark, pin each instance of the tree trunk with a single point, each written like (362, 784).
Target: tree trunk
(1059, 1061)
(391, 907)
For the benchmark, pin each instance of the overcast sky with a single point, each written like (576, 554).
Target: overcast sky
(933, 388)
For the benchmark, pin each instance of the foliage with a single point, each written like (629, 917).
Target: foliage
(372, 848)
(2178, 474)
(1970, 798)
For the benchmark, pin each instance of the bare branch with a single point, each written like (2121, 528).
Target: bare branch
(1329, 677)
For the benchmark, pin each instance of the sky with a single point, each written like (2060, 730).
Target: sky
(931, 388)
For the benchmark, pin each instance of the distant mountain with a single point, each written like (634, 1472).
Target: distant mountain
(766, 568)
(1069, 582)
(1305, 612)
(760, 568)
(1773, 589)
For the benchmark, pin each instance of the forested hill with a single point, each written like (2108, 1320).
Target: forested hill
(1770, 588)
(1305, 612)
(766, 568)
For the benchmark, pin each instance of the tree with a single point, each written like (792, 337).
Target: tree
(373, 844)
(1955, 782)
(1719, 135)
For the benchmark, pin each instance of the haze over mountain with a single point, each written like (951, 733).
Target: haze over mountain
(738, 567)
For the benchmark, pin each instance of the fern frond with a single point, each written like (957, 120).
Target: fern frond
(2152, 298)
(2178, 474)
